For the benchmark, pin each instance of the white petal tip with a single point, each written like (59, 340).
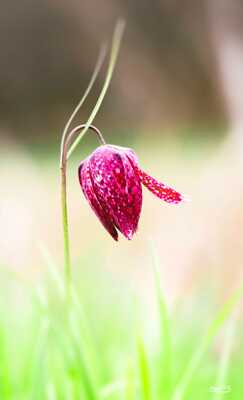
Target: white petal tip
(186, 199)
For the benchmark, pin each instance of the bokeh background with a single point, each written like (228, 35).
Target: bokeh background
(176, 97)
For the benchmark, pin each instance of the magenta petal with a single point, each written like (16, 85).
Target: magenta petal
(88, 190)
(117, 187)
(133, 192)
(159, 189)
(112, 183)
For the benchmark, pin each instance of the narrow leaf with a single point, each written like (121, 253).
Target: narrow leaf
(144, 373)
(207, 340)
(165, 373)
(116, 42)
(97, 68)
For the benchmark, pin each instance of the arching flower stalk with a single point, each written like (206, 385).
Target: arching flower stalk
(111, 178)
(70, 140)
(63, 166)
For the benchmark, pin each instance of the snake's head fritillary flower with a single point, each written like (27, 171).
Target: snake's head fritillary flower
(111, 180)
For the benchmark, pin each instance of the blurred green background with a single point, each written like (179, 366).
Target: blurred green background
(176, 98)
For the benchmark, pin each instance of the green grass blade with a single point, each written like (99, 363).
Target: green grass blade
(165, 370)
(108, 391)
(225, 359)
(78, 372)
(69, 392)
(91, 352)
(39, 360)
(130, 386)
(5, 372)
(116, 42)
(79, 323)
(86, 367)
(144, 372)
(207, 340)
(51, 392)
(53, 269)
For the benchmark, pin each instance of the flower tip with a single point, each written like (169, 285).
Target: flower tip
(114, 234)
(129, 234)
(180, 198)
(186, 199)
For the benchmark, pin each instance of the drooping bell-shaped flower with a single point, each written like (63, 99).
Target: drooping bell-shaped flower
(111, 181)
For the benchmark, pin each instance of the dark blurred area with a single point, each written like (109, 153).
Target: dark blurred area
(167, 72)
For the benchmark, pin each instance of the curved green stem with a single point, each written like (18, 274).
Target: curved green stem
(99, 63)
(67, 258)
(63, 169)
(78, 128)
(68, 145)
(116, 42)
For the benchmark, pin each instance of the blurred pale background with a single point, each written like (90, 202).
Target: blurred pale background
(176, 98)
